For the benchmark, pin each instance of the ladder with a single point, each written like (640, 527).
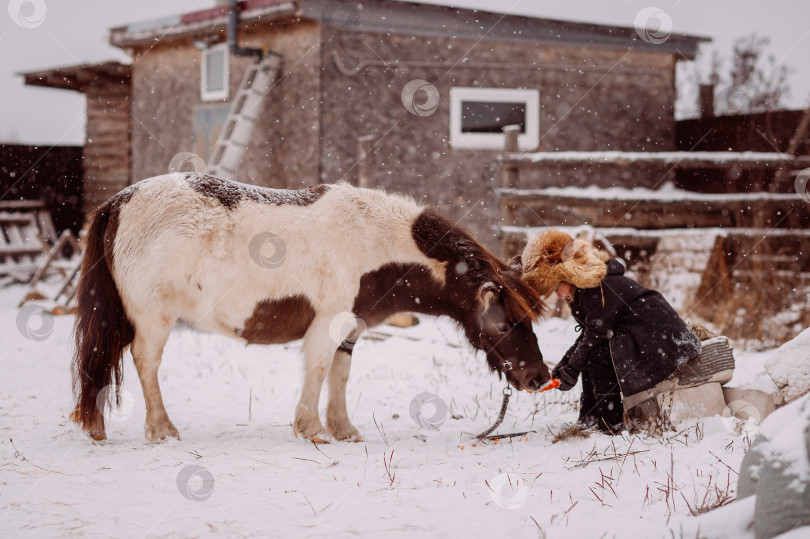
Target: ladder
(245, 109)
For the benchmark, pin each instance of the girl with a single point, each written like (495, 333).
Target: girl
(631, 338)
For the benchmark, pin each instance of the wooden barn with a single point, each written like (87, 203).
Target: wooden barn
(405, 96)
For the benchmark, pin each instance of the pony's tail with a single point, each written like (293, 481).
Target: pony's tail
(102, 329)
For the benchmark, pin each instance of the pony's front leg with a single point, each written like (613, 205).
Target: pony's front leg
(337, 417)
(147, 351)
(319, 350)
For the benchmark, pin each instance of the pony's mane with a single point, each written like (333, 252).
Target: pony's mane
(442, 239)
(521, 300)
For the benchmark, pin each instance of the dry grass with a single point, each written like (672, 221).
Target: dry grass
(702, 332)
(757, 305)
(571, 431)
(715, 496)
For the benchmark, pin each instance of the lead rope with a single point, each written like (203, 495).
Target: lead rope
(553, 383)
(507, 392)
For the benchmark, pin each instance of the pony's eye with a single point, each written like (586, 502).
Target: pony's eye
(503, 328)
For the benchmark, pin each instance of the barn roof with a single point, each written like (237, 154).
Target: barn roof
(397, 17)
(79, 77)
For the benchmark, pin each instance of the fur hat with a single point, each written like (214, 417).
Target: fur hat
(554, 257)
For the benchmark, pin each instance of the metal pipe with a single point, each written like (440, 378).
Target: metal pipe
(233, 33)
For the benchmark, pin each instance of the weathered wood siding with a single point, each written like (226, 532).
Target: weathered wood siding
(284, 147)
(106, 156)
(621, 101)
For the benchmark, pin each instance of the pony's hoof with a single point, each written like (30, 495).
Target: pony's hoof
(345, 433)
(309, 428)
(98, 435)
(158, 433)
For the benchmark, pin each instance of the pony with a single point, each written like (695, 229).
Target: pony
(270, 266)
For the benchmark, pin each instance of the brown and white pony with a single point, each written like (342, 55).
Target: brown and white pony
(194, 247)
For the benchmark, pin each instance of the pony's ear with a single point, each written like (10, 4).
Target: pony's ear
(486, 293)
(516, 263)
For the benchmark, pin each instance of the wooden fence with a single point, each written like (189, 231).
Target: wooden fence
(642, 210)
(717, 238)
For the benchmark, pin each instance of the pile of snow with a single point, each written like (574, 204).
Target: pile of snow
(789, 366)
(773, 490)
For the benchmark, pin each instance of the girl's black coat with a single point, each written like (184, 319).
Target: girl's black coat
(647, 338)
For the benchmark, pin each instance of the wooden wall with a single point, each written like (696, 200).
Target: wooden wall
(284, 148)
(622, 101)
(761, 132)
(107, 144)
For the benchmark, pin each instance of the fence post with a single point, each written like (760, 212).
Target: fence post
(510, 180)
(510, 172)
(364, 146)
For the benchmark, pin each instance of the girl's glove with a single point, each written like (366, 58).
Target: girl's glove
(566, 374)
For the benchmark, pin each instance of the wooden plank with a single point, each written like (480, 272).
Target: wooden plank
(716, 160)
(46, 226)
(541, 209)
(21, 271)
(31, 238)
(21, 204)
(510, 171)
(15, 236)
(738, 239)
(529, 195)
(69, 285)
(20, 250)
(49, 259)
(14, 218)
(25, 224)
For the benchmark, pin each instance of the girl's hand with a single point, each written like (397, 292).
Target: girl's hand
(567, 375)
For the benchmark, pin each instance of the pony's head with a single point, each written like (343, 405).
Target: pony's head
(493, 304)
(501, 326)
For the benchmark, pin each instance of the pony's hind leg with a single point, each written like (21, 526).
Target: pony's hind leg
(337, 417)
(147, 351)
(319, 351)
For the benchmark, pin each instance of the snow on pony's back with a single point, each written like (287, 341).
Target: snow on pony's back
(789, 366)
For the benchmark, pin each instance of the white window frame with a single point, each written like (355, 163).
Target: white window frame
(215, 95)
(494, 141)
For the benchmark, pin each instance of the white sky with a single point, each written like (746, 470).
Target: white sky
(75, 31)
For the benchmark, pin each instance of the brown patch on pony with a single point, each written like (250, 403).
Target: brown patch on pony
(102, 330)
(466, 259)
(230, 194)
(276, 321)
(398, 288)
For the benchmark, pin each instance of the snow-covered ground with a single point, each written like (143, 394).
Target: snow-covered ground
(239, 471)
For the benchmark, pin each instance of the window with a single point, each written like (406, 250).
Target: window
(478, 115)
(215, 73)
